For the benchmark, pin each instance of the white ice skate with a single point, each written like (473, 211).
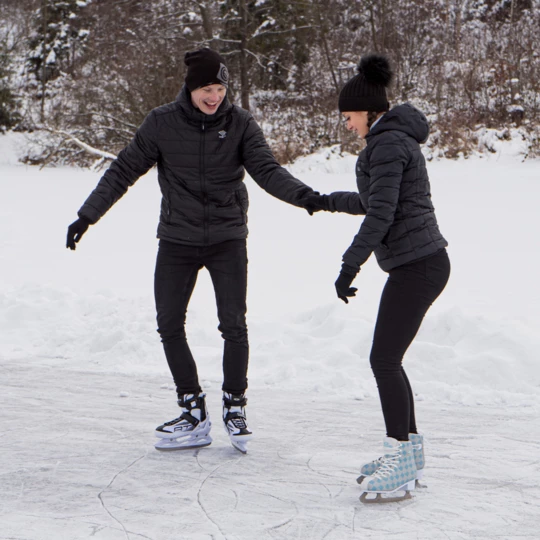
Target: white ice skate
(417, 441)
(235, 422)
(190, 430)
(396, 474)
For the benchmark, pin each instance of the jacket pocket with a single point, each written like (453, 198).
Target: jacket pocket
(242, 203)
(167, 201)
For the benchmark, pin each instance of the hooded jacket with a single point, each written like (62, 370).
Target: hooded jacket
(394, 194)
(201, 161)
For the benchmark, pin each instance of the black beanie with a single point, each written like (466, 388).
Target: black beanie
(205, 67)
(367, 90)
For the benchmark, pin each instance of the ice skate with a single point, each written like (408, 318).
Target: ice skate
(396, 474)
(235, 422)
(417, 441)
(190, 430)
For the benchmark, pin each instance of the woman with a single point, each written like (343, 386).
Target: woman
(401, 229)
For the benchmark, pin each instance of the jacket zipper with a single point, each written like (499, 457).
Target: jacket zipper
(206, 208)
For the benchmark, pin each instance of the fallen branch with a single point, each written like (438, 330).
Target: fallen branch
(81, 144)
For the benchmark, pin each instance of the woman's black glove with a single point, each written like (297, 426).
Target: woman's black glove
(75, 232)
(343, 283)
(314, 202)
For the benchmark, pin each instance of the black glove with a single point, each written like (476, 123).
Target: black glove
(75, 232)
(313, 202)
(343, 285)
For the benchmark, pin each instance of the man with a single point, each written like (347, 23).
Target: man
(202, 146)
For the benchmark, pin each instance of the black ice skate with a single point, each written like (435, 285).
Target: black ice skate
(235, 422)
(190, 430)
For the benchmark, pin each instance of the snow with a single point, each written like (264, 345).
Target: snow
(505, 142)
(84, 381)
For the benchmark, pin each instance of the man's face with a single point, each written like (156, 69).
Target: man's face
(208, 98)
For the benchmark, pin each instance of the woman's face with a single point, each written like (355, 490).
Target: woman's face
(208, 98)
(357, 121)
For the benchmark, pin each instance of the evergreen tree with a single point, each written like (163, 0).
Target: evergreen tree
(57, 39)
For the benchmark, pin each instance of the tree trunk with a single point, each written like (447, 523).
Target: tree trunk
(44, 65)
(325, 46)
(457, 31)
(244, 76)
(208, 25)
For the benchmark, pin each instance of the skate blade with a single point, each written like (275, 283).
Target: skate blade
(379, 499)
(178, 444)
(391, 495)
(418, 485)
(241, 446)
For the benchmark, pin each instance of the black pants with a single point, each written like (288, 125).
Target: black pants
(177, 267)
(408, 294)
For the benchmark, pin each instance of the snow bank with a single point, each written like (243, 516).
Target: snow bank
(455, 358)
(93, 309)
(13, 147)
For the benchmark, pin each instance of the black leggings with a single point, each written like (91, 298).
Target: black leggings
(408, 294)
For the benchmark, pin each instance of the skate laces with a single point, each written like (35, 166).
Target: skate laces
(389, 463)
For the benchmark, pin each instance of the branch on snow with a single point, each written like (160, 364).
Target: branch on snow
(81, 144)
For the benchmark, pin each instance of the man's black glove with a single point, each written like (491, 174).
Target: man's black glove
(343, 283)
(75, 232)
(313, 202)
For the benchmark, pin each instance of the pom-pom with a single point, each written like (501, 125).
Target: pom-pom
(376, 69)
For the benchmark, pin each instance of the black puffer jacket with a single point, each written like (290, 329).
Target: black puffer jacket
(400, 224)
(201, 160)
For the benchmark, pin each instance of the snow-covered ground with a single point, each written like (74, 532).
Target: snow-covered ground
(84, 380)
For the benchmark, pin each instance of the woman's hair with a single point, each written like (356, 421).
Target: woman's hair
(372, 116)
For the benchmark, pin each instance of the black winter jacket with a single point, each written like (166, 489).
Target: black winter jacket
(400, 224)
(201, 160)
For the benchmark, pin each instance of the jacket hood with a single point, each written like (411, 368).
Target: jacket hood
(404, 118)
(195, 115)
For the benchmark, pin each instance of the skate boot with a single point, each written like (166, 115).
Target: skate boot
(190, 430)
(397, 473)
(417, 441)
(234, 420)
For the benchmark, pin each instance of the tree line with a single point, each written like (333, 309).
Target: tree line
(86, 72)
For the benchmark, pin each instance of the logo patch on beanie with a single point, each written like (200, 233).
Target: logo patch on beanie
(223, 74)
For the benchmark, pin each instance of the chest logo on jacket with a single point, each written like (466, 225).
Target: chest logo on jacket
(222, 134)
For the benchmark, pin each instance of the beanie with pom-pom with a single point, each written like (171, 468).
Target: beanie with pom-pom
(366, 91)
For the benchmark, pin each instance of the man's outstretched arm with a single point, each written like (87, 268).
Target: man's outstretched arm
(263, 167)
(132, 163)
(135, 160)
